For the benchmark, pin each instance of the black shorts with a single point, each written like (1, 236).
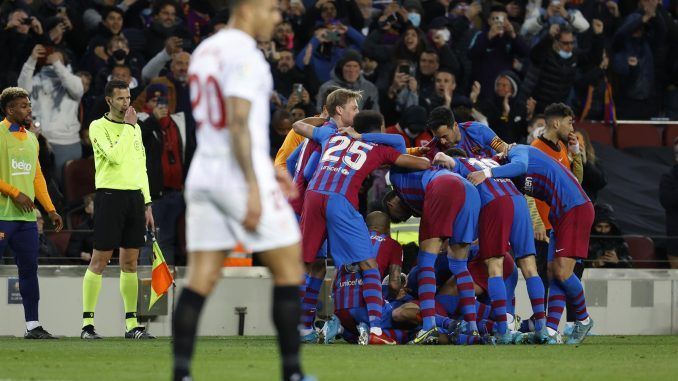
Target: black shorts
(119, 219)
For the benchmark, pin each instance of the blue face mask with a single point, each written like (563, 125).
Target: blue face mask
(564, 55)
(415, 18)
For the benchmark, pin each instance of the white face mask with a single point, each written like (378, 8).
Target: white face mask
(564, 55)
(445, 33)
(414, 18)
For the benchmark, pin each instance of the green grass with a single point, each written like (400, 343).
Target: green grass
(255, 358)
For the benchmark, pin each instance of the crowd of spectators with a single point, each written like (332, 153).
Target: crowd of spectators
(501, 62)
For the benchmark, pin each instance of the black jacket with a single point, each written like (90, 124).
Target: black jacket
(668, 196)
(613, 241)
(82, 241)
(550, 77)
(151, 134)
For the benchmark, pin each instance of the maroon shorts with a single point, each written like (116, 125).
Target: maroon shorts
(572, 232)
(494, 227)
(313, 225)
(445, 196)
(478, 270)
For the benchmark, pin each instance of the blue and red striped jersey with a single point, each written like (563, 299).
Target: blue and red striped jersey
(346, 162)
(411, 185)
(477, 140)
(543, 178)
(387, 251)
(346, 289)
(491, 188)
(309, 151)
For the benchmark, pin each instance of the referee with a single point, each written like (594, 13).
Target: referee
(122, 207)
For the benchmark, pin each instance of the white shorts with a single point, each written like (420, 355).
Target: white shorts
(214, 216)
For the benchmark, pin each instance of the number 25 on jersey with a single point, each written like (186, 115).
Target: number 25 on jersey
(339, 143)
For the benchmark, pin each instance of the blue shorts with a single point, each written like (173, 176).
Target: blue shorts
(348, 237)
(465, 226)
(522, 233)
(22, 238)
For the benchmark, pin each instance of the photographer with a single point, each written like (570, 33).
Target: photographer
(166, 24)
(493, 50)
(18, 36)
(56, 94)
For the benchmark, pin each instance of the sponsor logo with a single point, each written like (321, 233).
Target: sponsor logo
(330, 168)
(528, 184)
(559, 250)
(351, 283)
(378, 238)
(23, 167)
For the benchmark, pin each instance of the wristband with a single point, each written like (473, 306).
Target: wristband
(487, 172)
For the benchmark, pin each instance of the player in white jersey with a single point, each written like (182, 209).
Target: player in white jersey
(233, 192)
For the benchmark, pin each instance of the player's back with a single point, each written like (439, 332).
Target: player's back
(478, 140)
(550, 181)
(491, 188)
(228, 64)
(386, 250)
(411, 185)
(308, 149)
(345, 163)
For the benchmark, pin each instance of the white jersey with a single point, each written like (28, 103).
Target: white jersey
(228, 64)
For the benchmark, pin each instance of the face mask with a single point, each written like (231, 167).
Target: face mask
(564, 55)
(415, 18)
(119, 55)
(445, 33)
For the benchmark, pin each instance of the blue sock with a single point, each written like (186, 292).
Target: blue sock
(467, 294)
(442, 321)
(310, 302)
(497, 291)
(303, 285)
(556, 305)
(535, 289)
(449, 303)
(371, 291)
(575, 293)
(427, 288)
(510, 283)
(483, 311)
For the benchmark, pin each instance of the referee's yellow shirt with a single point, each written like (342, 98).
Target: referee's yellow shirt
(119, 156)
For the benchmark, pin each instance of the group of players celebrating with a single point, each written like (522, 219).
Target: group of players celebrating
(469, 189)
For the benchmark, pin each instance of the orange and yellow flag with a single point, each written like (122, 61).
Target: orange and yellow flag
(161, 277)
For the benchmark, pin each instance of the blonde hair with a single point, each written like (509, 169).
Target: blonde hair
(339, 97)
(10, 94)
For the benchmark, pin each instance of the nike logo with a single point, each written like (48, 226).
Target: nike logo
(559, 250)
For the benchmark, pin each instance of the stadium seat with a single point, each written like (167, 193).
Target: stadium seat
(670, 133)
(637, 135)
(60, 240)
(641, 249)
(600, 132)
(78, 180)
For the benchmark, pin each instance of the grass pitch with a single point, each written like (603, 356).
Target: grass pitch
(255, 358)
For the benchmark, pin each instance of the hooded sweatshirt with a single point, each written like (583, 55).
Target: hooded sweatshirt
(370, 99)
(55, 94)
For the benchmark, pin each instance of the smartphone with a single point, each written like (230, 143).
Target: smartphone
(298, 89)
(499, 20)
(42, 61)
(27, 21)
(405, 69)
(332, 36)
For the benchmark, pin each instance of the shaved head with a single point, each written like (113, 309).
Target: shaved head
(378, 221)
